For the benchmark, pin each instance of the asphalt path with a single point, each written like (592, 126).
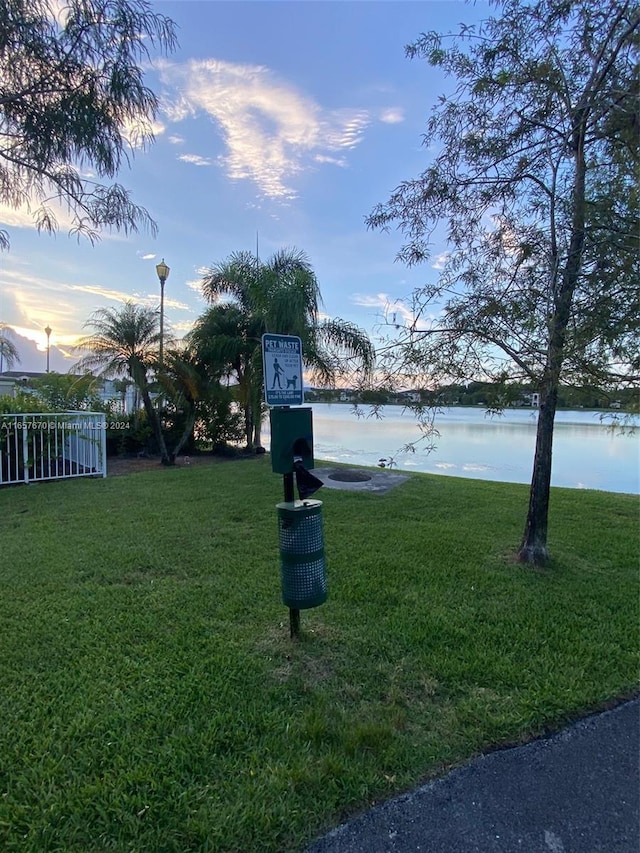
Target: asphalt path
(577, 791)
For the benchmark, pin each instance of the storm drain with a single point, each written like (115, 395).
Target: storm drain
(350, 476)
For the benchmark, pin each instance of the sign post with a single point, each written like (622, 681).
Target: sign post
(302, 564)
(283, 386)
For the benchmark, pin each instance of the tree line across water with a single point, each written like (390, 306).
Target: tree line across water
(488, 394)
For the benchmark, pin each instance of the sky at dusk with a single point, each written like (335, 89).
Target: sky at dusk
(289, 120)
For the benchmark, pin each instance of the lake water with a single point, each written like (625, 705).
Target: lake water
(586, 453)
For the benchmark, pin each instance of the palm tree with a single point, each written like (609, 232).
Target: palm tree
(225, 341)
(8, 350)
(281, 296)
(189, 386)
(125, 341)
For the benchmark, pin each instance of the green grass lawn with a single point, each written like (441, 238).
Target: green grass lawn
(150, 696)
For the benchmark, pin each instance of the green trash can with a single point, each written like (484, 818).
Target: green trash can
(302, 563)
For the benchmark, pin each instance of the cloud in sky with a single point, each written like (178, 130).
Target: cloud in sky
(22, 216)
(184, 326)
(326, 158)
(136, 133)
(393, 311)
(270, 129)
(39, 338)
(384, 303)
(440, 261)
(195, 160)
(392, 115)
(38, 301)
(121, 296)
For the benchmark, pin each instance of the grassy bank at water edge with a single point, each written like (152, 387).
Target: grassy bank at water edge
(150, 696)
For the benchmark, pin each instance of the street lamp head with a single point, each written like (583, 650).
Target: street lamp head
(47, 330)
(163, 271)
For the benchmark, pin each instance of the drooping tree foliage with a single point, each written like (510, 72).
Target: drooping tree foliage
(535, 179)
(73, 107)
(281, 296)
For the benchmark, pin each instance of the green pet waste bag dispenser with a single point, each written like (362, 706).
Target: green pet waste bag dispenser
(300, 527)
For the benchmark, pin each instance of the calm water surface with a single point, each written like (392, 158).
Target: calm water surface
(586, 453)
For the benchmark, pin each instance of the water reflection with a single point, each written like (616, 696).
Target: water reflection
(587, 454)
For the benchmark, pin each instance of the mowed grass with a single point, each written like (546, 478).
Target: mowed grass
(150, 696)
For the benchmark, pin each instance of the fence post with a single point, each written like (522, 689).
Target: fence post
(103, 444)
(25, 450)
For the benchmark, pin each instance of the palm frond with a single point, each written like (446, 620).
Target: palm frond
(281, 296)
(8, 351)
(123, 340)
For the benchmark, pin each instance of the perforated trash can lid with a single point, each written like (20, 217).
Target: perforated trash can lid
(296, 506)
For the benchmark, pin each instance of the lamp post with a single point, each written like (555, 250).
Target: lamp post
(163, 274)
(47, 332)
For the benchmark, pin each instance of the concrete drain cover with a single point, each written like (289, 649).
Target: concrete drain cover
(348, 476)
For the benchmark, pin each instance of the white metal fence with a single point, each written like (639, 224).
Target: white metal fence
(35, 447)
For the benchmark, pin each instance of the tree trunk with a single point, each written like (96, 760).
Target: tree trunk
(257, 430)
(248, 425)
(534, 541)
(136, 407)
(257, 421)
(186, 432)
(156, 426)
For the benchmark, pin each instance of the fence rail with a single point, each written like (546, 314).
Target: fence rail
(37, 446)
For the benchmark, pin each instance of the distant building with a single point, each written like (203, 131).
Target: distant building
(7, 387)
(408, 396)
(12, 381)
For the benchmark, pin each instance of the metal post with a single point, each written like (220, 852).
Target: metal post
(294, 615)
(103, 444)
(25, 450)
(162, 271)
(162, 281)
(47, 332)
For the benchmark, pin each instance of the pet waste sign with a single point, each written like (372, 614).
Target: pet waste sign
(282, 366)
